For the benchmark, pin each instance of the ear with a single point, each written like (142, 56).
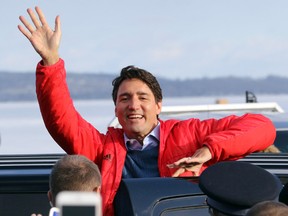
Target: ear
(50, 198)
(97, 189)
(158, 107)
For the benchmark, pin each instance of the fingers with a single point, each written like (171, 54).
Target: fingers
(24, 32)
(27, 25)
(195, 170)
(41, 16)
(44, 40)
(186, 164)
(181, 161)
(38, 24)
(57, 25)
(178, 172)
(34, 18)
(44, 22)
(192, 164)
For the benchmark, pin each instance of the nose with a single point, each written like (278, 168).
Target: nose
(134, 103)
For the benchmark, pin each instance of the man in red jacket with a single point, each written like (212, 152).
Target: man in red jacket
(145, 146)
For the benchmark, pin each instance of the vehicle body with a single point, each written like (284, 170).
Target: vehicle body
(24, 178)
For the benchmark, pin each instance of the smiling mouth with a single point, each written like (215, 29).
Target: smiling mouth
(135, 117)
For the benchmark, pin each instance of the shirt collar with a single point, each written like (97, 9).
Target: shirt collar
(154, 135)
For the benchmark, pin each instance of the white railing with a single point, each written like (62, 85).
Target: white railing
(237, 107)
(270, 107)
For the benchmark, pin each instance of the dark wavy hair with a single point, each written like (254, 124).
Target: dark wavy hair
(131, 72)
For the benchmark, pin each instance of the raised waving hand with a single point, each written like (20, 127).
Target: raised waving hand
(45, 40)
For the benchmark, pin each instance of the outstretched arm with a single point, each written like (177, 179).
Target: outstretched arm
(44, 40)
(230, 138)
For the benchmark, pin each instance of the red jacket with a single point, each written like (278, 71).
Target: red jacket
(229, 138)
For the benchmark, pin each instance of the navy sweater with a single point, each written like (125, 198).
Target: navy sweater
(141, 164)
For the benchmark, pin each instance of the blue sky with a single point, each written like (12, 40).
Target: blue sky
(172, 39)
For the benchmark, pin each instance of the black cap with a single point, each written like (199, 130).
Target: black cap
(233, 187)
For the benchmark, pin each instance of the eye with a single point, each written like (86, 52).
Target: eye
(123, 98)
(143, 97)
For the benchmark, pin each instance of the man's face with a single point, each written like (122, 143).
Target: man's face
(136, 108)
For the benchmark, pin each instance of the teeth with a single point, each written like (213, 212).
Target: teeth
(135, 116)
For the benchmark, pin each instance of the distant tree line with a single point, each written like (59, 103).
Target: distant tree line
(21, 86)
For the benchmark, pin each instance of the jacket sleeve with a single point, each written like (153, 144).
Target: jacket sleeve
(233, 137)
(64, 123)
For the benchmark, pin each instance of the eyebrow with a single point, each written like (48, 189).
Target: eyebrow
(138, 93)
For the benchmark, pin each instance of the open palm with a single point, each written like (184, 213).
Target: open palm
(44, 40)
